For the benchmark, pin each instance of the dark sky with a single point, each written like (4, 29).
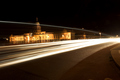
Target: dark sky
(98, 15)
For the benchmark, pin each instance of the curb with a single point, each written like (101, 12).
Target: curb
(115, 53)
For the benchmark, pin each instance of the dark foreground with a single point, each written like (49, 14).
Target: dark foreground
(90, 63)
(99, 66)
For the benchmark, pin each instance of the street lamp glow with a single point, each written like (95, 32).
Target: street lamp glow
(100, 34)
(82, 28)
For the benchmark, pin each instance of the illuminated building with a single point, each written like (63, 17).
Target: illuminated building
(16, 38)
(40, 36)
(65, 35)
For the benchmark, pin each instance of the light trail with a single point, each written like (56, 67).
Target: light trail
(53, 50)
(36, 45)
(53, 26)
(17, 22)
(37, 50)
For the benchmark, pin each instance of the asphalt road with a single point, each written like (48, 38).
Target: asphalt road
(89, 63)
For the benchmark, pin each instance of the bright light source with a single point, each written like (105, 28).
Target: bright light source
(7, 39)
(74, 44)
(28, 38)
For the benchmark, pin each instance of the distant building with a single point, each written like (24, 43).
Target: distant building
(16, 38)
(65, 35)
(41, 36)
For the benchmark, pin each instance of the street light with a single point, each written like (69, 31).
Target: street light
(100, 34)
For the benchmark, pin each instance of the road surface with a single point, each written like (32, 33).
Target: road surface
(89, 63)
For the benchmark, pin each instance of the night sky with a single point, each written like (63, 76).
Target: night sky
(98, 15)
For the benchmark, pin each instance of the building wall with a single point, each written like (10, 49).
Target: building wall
(50, 36)
(16, 38)
(66, 36)
(41, 36)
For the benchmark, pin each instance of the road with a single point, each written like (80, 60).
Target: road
(88, 63)
(14, 54)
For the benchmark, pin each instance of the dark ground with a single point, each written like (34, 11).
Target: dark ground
(98, 66)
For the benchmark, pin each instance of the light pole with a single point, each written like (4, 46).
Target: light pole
(84, 36)
(100, 34)
(117, 36)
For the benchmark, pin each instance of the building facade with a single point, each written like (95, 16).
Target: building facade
(41, 36)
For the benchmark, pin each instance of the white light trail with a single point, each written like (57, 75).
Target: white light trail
(35, 45)
(53, 26)
(17, 22)
(54, 50)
